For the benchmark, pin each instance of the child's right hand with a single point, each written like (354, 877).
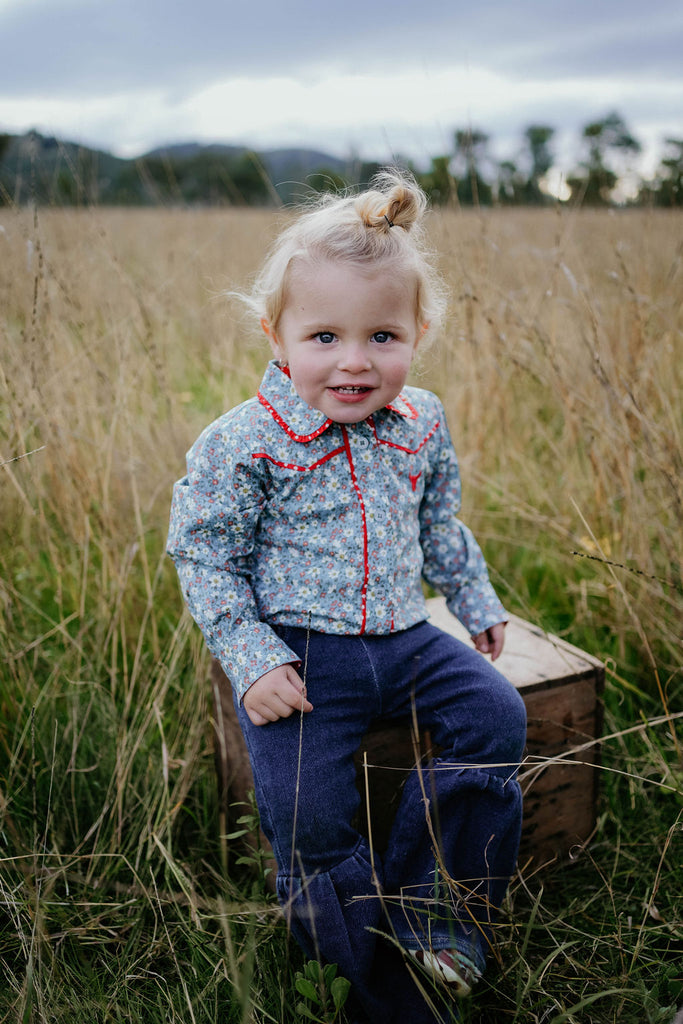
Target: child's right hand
(276, 695)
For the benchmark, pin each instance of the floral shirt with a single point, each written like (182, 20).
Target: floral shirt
(286, 517)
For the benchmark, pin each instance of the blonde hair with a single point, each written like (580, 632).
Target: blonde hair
(384, 223)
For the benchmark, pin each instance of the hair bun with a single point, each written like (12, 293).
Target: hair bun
(359, 229)
(394, 200)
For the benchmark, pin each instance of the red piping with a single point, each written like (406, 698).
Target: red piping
(291, 465)
(402, 448)
(366, 567)
(411, 408)
(285, 426)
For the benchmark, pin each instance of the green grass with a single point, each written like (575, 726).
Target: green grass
(120, 900)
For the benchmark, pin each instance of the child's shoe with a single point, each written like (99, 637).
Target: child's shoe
(449, 967)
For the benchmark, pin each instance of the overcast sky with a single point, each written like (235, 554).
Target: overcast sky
(378, 77)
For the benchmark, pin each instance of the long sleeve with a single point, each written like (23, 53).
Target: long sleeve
(453, 561)
(214, 518)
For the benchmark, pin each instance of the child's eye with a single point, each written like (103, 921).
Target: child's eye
(382, 337)
(325, 337)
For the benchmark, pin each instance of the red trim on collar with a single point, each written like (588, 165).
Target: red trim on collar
(411, 414)
(285, 426)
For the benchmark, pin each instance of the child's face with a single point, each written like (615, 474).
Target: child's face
(348, 334)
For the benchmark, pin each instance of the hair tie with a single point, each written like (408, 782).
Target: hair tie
(389, 222)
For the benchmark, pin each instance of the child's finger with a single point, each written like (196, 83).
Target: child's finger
(299, 688)
(491, 640)
(497, 635)
(270, 709)
(255, 718)
(296, 697)
(481, 642)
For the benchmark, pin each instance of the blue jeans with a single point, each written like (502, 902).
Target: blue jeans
(450, 856)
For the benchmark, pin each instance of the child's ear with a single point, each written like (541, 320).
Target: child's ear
(271, 336)
(421, 331)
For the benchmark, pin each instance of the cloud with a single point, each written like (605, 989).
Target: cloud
(68, 46)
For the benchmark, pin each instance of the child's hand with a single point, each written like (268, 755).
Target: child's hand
(276, 695)
(491, 640)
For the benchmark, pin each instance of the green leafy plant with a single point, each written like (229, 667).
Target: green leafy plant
(248, 835)
(324, 991)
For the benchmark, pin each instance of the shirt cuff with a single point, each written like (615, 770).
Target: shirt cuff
(252, 649)
(477, 606)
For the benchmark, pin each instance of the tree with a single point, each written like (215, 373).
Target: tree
(325, 180)
(538, 138)
(605, 141)
(469, 157)
(368, 169)
(248, 180)
(438, 182)
(670, 191)
(204, 177)
(511, 184)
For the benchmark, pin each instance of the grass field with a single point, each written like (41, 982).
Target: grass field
(561, 369)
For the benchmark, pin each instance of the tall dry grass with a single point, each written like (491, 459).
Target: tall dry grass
(561, 373)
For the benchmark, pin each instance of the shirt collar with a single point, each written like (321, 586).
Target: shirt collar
(301, 421)
(403, 407)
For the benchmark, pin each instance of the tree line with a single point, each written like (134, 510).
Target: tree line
(467, 175)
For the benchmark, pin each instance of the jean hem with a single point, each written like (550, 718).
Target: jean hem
(463, 947)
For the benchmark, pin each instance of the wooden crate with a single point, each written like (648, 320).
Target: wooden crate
(561, 687)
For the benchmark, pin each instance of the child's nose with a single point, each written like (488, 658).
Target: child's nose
(354, 357)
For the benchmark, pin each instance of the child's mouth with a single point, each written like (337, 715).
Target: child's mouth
(352, 389)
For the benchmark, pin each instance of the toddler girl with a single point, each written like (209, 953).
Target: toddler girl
(302, 531)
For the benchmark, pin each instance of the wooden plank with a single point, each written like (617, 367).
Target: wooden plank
(560, 788)
(531, 658)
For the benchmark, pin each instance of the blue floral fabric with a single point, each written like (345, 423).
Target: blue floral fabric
(288, 518)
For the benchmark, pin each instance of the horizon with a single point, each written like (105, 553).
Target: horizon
(630, 176)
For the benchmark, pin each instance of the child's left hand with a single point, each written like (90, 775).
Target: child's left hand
(491, 640)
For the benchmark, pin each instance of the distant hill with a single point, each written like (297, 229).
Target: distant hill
(51, 170)
(278, 162)
(189, 150)
(47, 168)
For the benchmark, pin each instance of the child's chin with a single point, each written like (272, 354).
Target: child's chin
(353, 414)
(350, 412)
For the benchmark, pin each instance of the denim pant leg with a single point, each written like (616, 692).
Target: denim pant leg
(327, 884)
(467, 801)
(304, 778)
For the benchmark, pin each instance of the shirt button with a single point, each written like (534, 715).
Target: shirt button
(363, 442)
